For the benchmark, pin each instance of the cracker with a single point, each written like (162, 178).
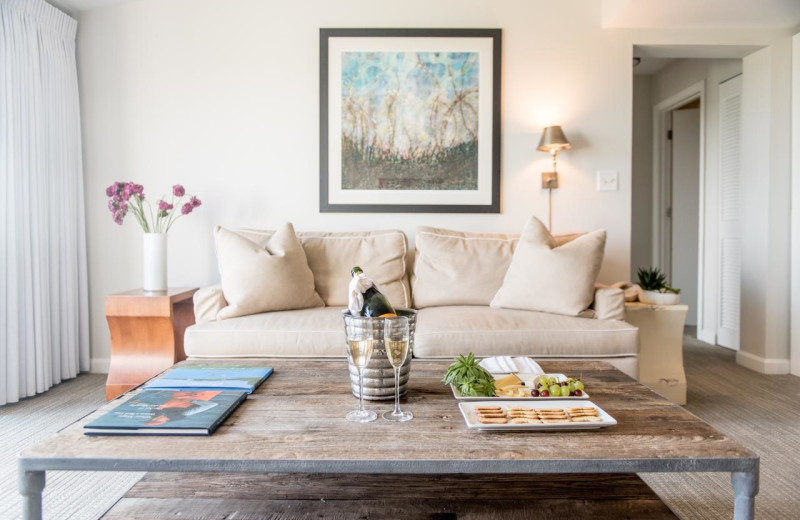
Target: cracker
(491, 415)
(587, 418)
(492, 420)
(526, 420)
(554, 421)
(520, 409)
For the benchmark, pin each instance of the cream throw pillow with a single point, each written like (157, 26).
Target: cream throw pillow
(256, 278)
(550, 278)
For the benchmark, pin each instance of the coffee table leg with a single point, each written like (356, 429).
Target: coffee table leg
(31, 485)
(745, 489)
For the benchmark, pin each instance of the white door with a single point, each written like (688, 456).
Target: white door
(730, 245)
(685, 206)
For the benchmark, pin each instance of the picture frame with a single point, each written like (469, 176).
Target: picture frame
(410, 120)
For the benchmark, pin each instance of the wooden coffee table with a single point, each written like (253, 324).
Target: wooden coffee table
(294, 426)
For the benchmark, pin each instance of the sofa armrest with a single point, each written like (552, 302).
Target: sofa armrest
(208, 301)
(609, 303)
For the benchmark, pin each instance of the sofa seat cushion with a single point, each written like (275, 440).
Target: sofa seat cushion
(317, 332)
(445, 332)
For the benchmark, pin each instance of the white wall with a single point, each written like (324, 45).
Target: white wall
(766, 157)
(642, 175)
(668, 82)
(223, 97)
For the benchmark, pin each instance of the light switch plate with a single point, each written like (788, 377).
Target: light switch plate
(607, 180)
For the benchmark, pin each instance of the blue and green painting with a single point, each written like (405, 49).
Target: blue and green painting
(410, 120)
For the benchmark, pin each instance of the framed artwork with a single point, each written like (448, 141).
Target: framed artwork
(410, 120)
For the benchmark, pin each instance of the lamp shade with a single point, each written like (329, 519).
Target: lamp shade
(553, 138)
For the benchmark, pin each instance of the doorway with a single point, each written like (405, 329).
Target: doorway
(685, 189)
(678, 177)
(683, 211)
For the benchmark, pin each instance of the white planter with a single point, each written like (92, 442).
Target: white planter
(659, 298)
(155, 262)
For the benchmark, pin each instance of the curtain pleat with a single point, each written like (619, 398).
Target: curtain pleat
(44, 325)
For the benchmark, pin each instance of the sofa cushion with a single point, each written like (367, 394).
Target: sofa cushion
(546, 277)
(258, 278)
(381, 254)
(445, 259)
(315, 332)
(444, 332)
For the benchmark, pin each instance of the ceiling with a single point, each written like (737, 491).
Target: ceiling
(705, 14)
(636, 13)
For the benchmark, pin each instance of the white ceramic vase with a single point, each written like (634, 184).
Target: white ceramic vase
(659, 298)
(155, 262)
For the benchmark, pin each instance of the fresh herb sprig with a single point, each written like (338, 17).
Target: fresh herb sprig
(469, 377)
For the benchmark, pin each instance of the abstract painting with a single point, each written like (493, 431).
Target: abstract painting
(409, 120)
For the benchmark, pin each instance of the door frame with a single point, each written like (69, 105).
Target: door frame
(662, 189)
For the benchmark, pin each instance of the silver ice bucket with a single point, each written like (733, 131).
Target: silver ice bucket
(379, 373)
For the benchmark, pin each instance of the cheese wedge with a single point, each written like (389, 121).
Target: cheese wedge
(509, 380)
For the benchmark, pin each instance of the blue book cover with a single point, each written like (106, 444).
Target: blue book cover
(168, 412)
(212, 377)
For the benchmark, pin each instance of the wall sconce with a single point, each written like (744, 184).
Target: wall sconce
(553, 140)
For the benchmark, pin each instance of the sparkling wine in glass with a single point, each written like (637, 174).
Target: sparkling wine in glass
(359, 350)
(395, 339)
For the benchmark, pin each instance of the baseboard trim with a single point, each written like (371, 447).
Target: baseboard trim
(99, 365)
(707, 336)
(771, 366)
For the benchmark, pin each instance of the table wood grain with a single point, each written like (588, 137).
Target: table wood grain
(294, 423)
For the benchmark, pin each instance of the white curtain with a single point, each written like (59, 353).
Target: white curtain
(44, 329)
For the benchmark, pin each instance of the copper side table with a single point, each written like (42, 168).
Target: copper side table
(146, 335)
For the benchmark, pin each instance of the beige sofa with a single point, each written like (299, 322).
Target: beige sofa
(450, 278)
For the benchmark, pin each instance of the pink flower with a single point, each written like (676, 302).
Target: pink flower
(163, 206)
(178, 190)
(111, 190)
(136, 189)
(186, 208)
(195, 202)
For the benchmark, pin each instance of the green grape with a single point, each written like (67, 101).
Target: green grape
(555, 390)
(578, 385)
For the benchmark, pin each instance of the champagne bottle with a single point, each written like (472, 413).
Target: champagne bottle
(375, 303)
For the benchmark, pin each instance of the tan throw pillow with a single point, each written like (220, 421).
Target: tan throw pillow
(261, 278)
(550, 278)
(456, 268)
(382, 255)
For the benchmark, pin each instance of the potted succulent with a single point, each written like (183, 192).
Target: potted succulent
(655, 289)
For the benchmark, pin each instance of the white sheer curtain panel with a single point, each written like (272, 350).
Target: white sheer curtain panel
(44, 329)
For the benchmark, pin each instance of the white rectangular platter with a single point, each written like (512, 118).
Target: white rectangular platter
(472, 420)
(458, 395)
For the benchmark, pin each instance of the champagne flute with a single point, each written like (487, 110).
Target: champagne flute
(359, 349)
(395, 339)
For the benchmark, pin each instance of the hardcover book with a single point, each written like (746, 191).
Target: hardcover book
(168, 412)
(212, 377)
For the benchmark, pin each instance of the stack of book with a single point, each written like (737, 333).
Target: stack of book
(184, 401)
